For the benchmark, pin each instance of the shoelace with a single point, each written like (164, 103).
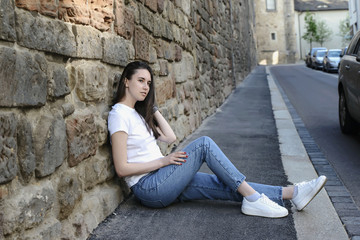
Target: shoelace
(267, 201)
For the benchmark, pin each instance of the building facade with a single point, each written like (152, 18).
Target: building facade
(275, 31)
(354, 15)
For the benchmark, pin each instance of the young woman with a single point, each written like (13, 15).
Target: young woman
(157, 181)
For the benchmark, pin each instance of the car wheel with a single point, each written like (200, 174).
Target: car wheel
(347, 124)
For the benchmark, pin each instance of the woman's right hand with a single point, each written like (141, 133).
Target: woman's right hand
(177, 158)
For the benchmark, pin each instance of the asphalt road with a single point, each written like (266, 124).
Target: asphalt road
(313, 94)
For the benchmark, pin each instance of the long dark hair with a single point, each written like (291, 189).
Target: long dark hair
(144, 108)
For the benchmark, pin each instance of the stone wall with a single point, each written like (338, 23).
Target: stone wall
(60, 61)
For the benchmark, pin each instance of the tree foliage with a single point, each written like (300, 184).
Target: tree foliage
(316, 31)
(311, 29)
(345, 30)
(323, 32)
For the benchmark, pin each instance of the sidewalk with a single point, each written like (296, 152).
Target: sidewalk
(248, 130)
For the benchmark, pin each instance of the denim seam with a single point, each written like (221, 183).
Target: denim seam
(221, 164)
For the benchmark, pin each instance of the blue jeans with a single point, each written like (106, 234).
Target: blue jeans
(184, 183)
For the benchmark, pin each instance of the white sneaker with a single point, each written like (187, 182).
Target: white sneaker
(263, 207)
(307, 191)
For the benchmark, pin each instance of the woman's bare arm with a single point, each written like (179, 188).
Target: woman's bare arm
(123, 168)
(166, 133)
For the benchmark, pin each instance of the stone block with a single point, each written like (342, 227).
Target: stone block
(165, 89)
(97, 170)
(7, 20)
(94, 207)
(146, 18)
(25, 152)
(91, 81)
(102, 131)
(44, 34)
(8, 147)
(164, 70)
(24, 78)
(115, 50)
(28, 207)
(69, 192)
(68, 109)
(88, 42)
(178, 53)
(157, 30)
(82, 138)
(124, 20)
(141, 43)
(185, 5)
(159, 46)
(160, 5)
(50, 229)
(152, 5)
(58, 85)
(167, 31)
(184, 70)
(50, 144)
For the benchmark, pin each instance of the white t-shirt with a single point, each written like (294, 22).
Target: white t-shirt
(141, 145)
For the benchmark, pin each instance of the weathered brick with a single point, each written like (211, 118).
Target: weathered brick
(50, 144)
(74, 11)
(7, 20)
(41, 33)
(24, 78)
(101, 14)
(49, 7)
(8, 147)
(141, 43)
(82, 142)
(115, 50)
(45, 7)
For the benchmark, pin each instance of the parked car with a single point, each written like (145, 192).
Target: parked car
(310, 54)
(349, 87)
(317, 59)
(331, 60)
(343, 51)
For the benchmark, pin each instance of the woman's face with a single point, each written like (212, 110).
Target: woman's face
(139, 85)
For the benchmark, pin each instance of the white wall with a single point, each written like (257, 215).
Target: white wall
(332, 19)
(354, 14)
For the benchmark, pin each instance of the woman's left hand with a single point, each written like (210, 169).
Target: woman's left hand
(177, 158)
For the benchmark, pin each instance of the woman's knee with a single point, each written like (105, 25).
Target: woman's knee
(206, 140)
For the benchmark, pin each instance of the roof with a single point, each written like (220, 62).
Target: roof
(325, 5)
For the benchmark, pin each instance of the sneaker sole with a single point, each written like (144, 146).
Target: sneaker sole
(260, 214)
(314, 194)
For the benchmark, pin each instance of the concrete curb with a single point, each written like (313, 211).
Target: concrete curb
(319, 219)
